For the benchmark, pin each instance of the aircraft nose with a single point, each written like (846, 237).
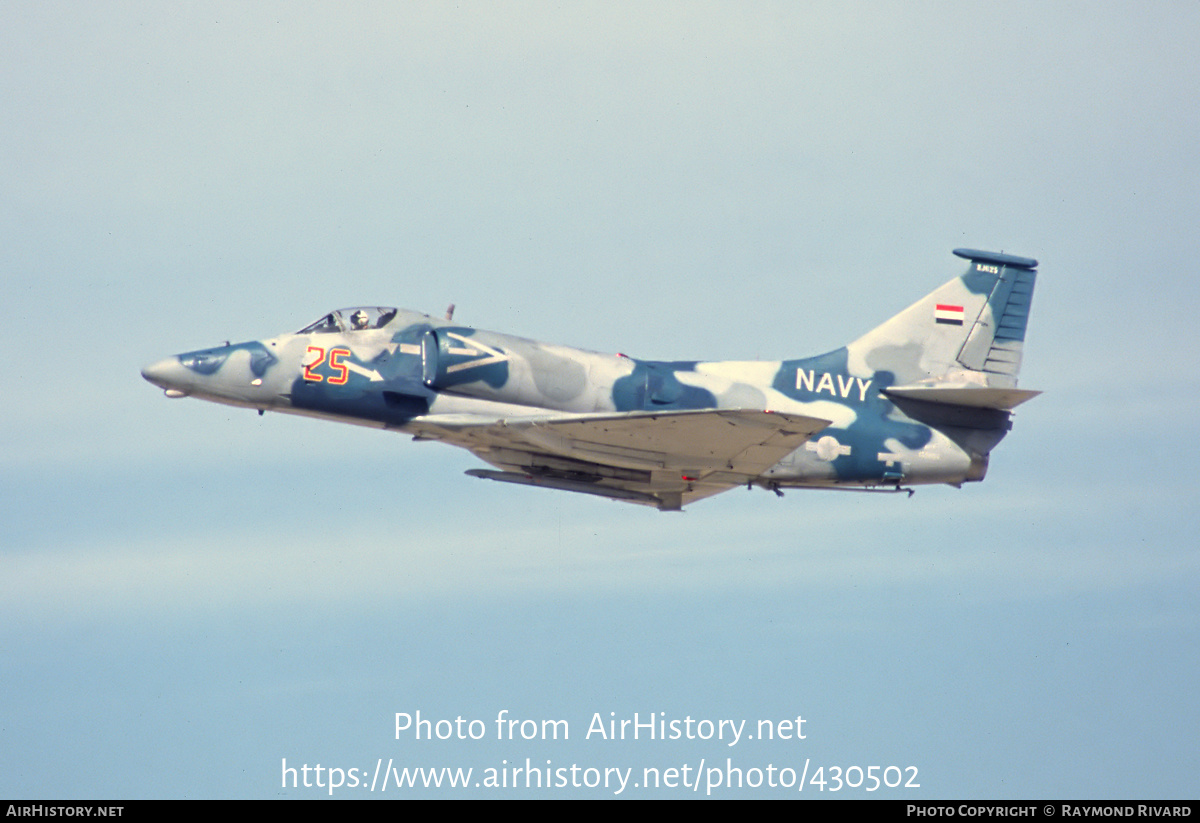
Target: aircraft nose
(168, 375)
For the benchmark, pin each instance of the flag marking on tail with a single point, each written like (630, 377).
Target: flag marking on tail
(949, 315)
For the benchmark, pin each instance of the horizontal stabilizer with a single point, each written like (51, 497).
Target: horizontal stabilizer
(978, 397)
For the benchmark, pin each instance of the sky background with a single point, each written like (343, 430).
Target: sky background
(190, 593)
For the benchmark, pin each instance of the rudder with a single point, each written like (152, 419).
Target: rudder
(995, 343)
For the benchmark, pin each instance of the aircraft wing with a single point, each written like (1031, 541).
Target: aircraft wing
(661, 459)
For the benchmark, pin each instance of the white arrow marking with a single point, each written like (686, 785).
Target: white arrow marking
(496, 356)
(370, 374)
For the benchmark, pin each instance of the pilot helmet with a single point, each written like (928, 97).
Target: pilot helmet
(359, 319)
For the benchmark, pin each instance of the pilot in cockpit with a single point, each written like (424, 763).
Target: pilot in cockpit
(359, 320)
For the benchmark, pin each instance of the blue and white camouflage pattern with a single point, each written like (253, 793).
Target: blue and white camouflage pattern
(923, 398)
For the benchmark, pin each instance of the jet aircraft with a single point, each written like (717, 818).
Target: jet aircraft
(921, 399)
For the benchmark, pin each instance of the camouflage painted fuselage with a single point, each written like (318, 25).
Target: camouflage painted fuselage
(921, 399)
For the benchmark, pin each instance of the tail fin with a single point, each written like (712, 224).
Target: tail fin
(967, 334)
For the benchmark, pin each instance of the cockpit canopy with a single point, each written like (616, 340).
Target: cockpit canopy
(356, 318)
